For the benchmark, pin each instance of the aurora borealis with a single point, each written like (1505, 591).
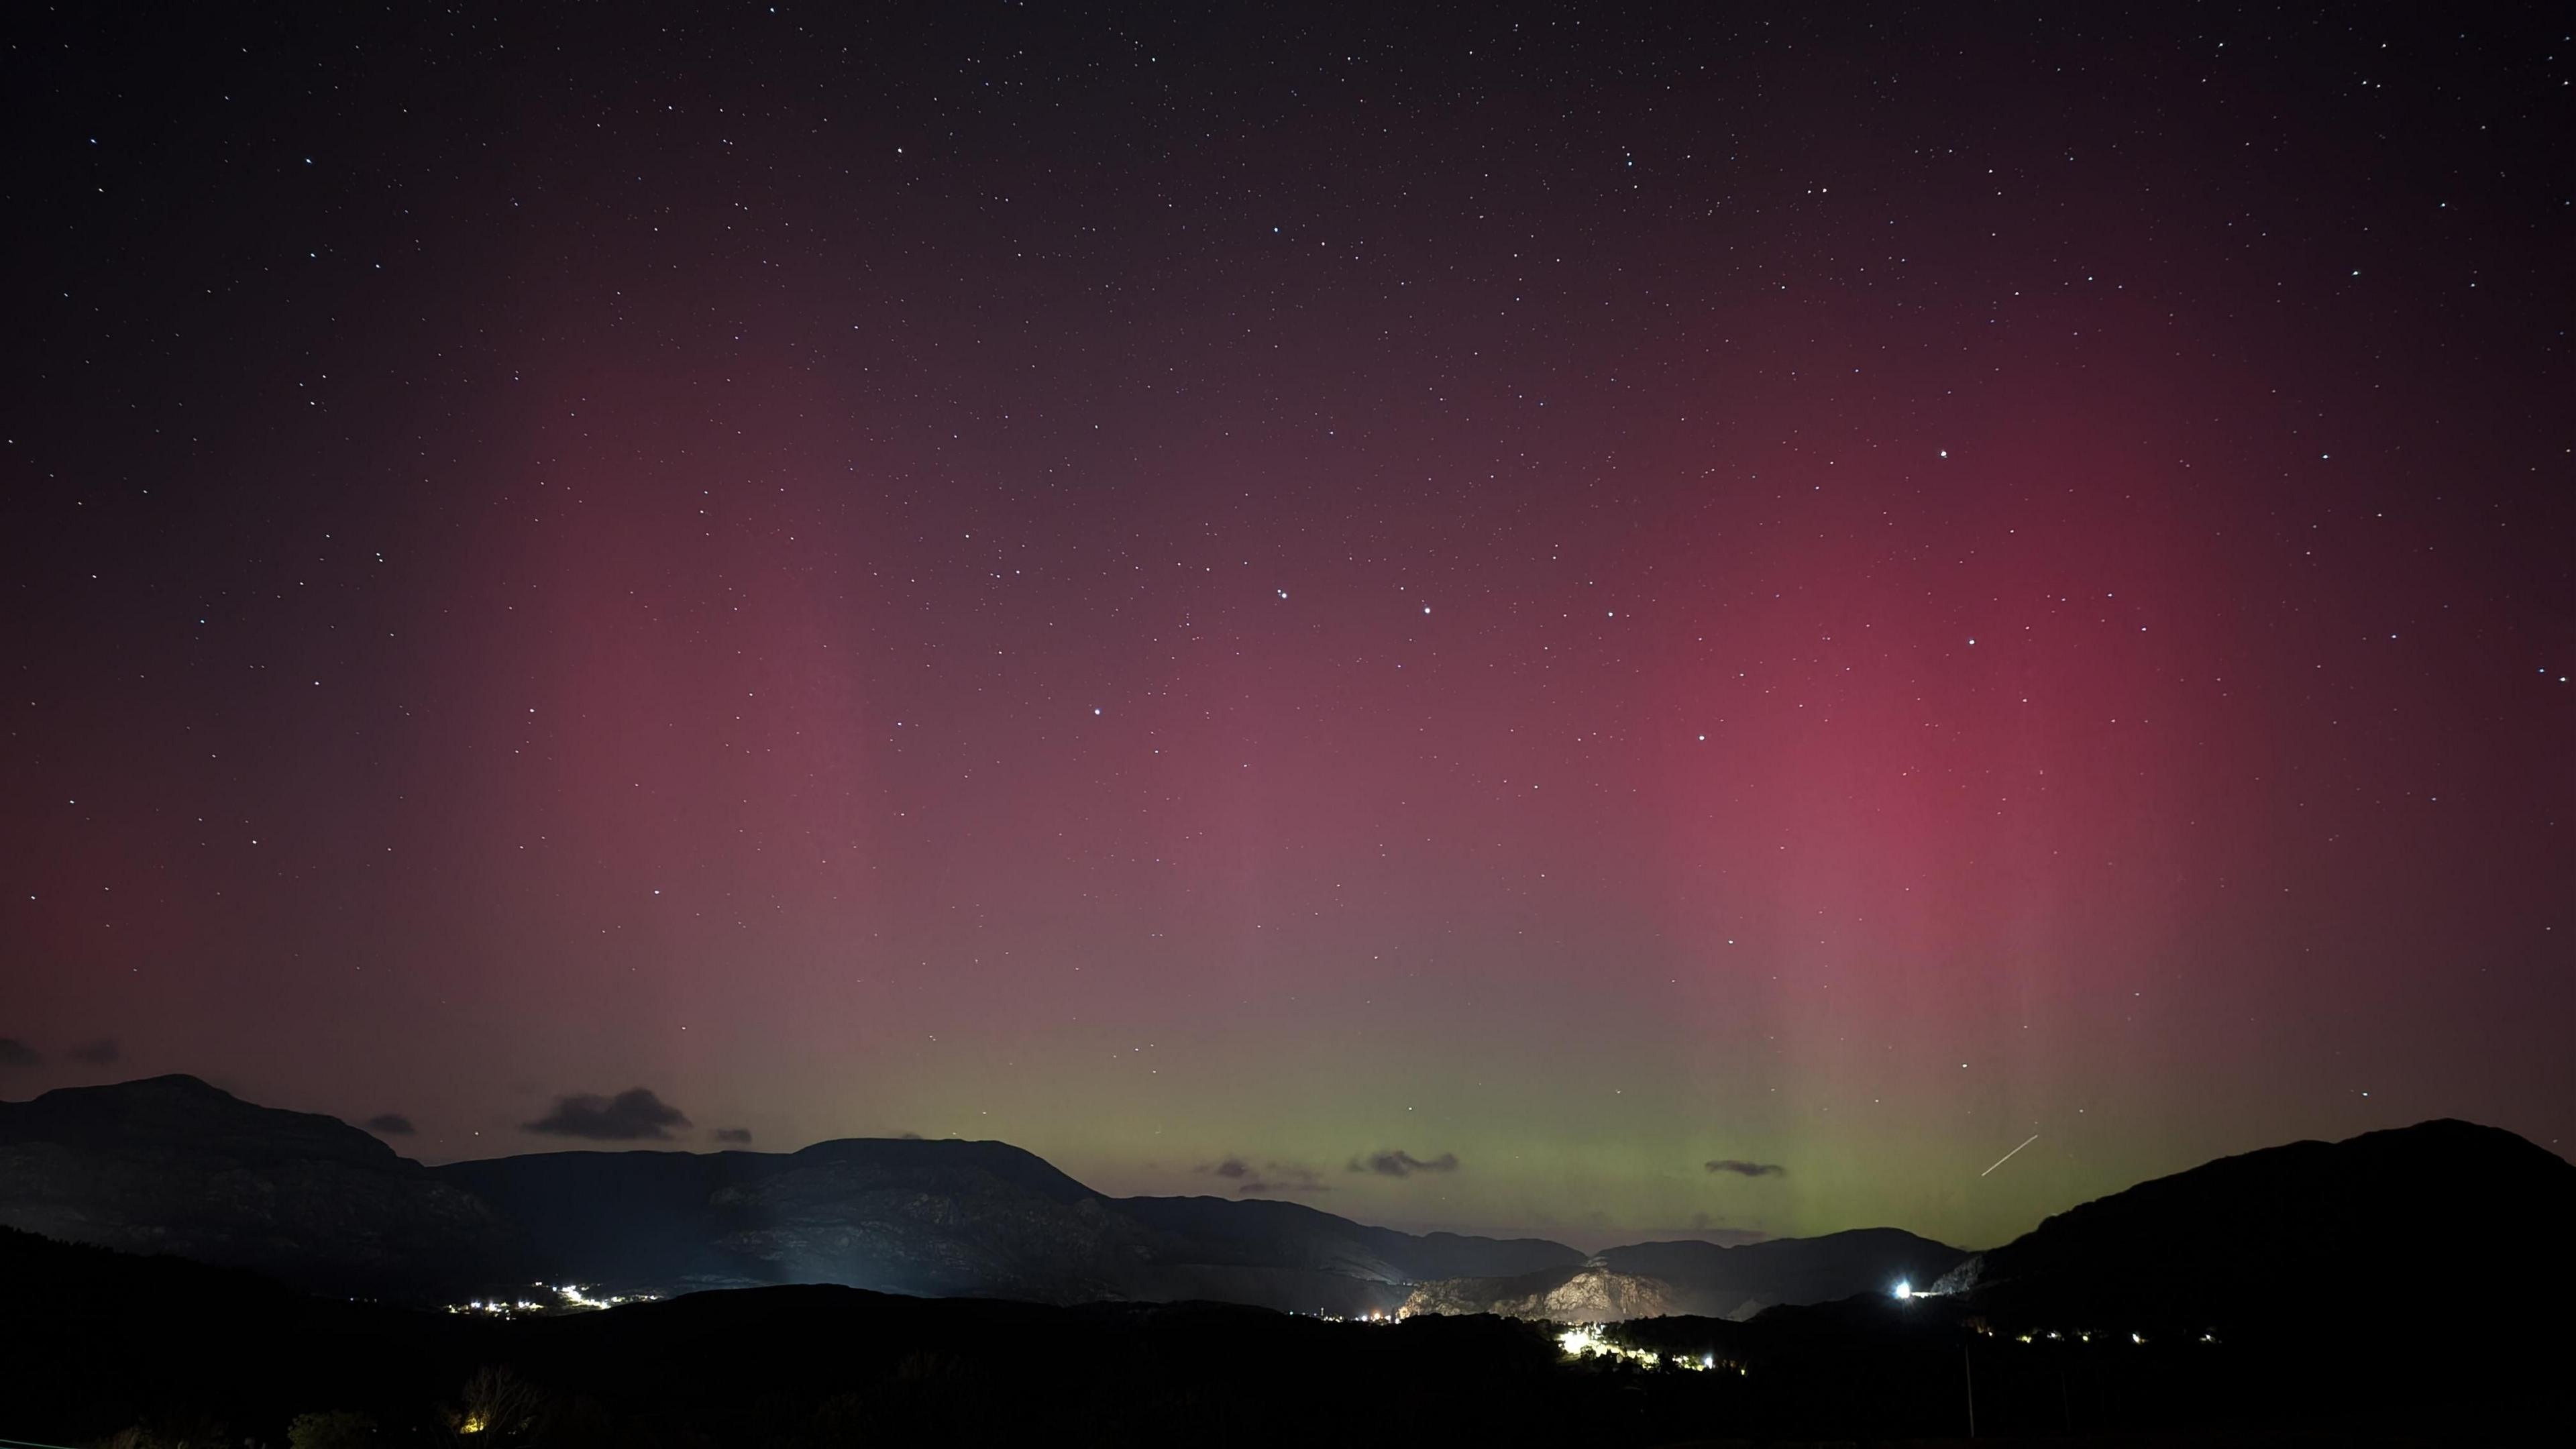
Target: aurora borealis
(1496, 618)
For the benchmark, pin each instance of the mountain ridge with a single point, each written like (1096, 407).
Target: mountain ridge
(2295, 1230)
(1703, 1279)
(174, 1165)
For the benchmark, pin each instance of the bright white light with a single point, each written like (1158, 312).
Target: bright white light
(1586, 1340)
(1904, 1289)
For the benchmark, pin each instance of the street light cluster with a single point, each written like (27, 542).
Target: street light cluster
(1905, 1292)
(1585, 1340)
(568, 1298)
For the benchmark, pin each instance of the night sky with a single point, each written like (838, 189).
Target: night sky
(1609, 625)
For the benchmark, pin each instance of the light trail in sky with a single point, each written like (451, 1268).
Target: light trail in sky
(2007, 1157)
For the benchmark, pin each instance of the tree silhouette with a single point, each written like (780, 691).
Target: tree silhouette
(496, 1406)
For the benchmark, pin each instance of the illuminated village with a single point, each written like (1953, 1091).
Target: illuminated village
(565, 1298)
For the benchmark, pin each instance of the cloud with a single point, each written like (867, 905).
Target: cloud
(1270, 1177)
(908, 1137)
(630, 1116)
(733, 1134)
(15, 1053)
(1283, 1177)
(103, 1052)
(391, 1124)
(1404, 1164)
(1742, 1168)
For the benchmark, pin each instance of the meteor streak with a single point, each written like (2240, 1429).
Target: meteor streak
(2007, 1157)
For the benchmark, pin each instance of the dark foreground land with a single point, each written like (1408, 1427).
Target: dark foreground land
(2397, 1287)
(96, 1344)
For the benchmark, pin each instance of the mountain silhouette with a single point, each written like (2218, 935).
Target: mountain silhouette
(1731, 1282)
(175, 1165)
(2444, 1216)
(172, 1165)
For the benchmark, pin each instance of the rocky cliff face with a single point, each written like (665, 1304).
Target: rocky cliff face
(1592, 1293)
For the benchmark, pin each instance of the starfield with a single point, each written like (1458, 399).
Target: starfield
(1218, 723)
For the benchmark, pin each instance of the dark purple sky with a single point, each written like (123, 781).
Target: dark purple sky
(1566, 596)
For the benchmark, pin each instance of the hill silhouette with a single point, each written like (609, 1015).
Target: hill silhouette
(173, 1164)
(1725, 1282)
(2285, 1236)
(2444, 1216)
(934, 1218)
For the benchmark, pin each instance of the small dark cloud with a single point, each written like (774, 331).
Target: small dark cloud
(1277, 1177)
(908, 1137)
(1269, 1177)
(391, 1124)
(631, 1115)
(1404, 1164)
(1742, 1168)
(733, 1134)
(103, 1052)
(15, 1053)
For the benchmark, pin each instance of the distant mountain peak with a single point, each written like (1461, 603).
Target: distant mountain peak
(183, 1113)
(176, 1164)
(168, 1084)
